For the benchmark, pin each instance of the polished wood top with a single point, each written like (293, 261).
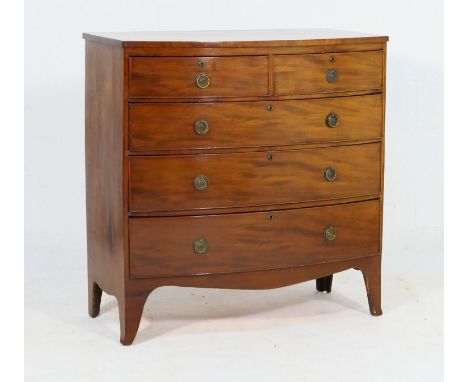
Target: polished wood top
(232, 38)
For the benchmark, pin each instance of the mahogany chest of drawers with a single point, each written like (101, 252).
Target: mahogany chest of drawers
(249, 159)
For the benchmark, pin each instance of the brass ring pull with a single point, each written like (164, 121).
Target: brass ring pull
(332, 75)
(200, 246)
(329, 233)
(332, 120)
(203, 80)
(330, 174)
(201, 182)
(201, 127)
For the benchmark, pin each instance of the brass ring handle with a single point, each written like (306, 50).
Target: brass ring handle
(332, 75)
(330, 174)
(201, 182)
(201, 127)
(332, 120)
(203, 80)
(329, 233)
(200, 246)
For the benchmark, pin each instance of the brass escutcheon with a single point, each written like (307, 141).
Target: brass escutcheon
(201, 127)
(330, 174)
(332, 75)
(200, 246)
(200, 182)
(332, 120)
(329, 233)
(203, 80)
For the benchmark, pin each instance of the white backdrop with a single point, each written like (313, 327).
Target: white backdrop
(54, 114)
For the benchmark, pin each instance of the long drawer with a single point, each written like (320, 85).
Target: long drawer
(190, 182)
(173, 77)
(173, 246)
(171, 126)
(328, 72)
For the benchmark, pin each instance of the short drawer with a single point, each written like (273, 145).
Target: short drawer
(328, 72)
(172, 126)
(187, 182)
(173, 77)
(173, 246)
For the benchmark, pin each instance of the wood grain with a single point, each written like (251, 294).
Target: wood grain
(139, 289)
(271, 207)
(371, 271)
(250, 179)
(249, 51)
(256, 98)
(263, 216)
(176, 76)
(304, 74)
(252, 241)
(104, 176)
(233, 38)
(170, 126)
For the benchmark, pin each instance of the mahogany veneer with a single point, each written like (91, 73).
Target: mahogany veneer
(252, 124)
(235, 159)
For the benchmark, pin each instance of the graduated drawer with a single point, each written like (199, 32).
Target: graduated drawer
(172, 77)
(173, 246)
(171, 126)
(187, 182)
(328, 72)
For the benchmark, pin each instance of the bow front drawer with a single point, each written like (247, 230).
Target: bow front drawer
(186, 182)
(178, 77)
(328, 72)
(252, 241)
(172, 126)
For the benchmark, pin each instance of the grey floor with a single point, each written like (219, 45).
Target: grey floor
(286, 334)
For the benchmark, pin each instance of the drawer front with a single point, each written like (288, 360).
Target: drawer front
(185, 182)
(172, 126)
(310, 73)
(198, 76)
(173, 246)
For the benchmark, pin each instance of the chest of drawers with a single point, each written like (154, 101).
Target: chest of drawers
(248, 160)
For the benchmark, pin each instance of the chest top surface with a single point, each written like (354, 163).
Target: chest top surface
(233, 38)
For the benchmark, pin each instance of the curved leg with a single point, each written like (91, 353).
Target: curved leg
(130, 312)
(94, 299)
(324, 284)
(372, 278)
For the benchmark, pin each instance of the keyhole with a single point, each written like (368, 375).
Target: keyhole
(270, 217)
(270, 156)
(201, 64)
(331, 59)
